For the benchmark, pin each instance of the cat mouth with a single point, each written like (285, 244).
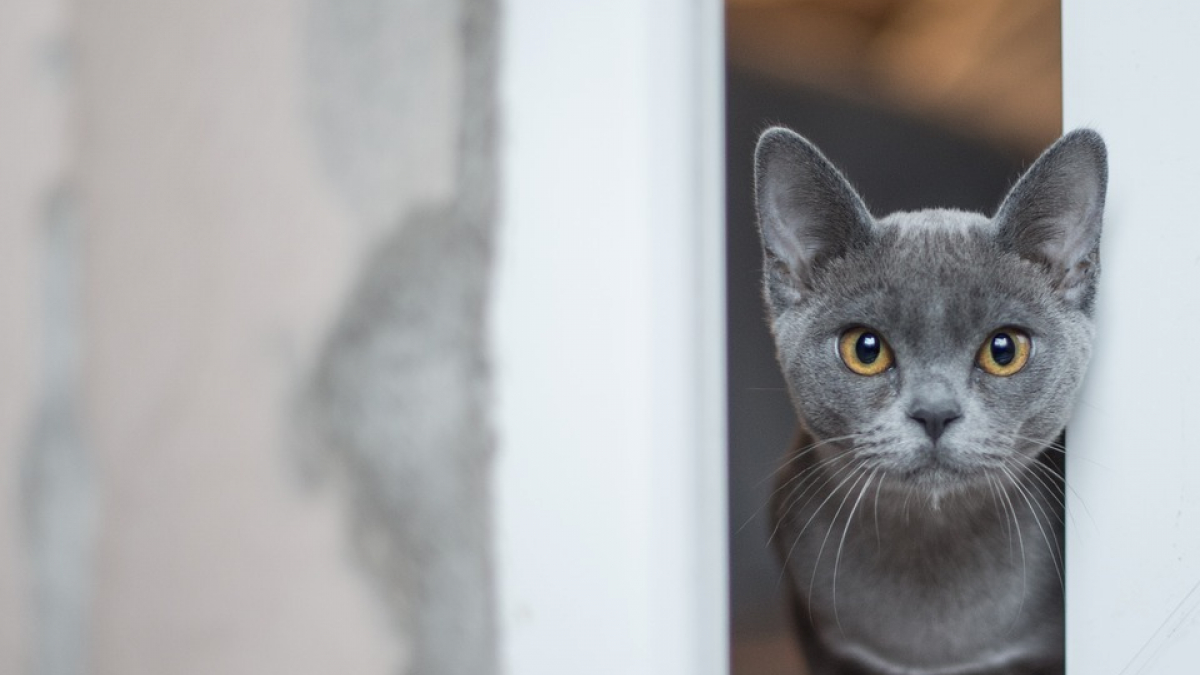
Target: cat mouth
(942, 466)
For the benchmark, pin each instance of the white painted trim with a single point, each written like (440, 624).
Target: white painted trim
(608, 340)
(1134, 459)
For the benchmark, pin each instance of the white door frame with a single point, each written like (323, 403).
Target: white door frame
(608, 339)
(1133, 564)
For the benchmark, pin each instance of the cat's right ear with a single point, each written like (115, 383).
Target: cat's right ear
(808, 213)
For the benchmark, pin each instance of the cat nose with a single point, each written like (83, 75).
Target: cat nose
(935, 419)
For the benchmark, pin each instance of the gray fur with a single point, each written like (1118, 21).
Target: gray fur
(905, 554)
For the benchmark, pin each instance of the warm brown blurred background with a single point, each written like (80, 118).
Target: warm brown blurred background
(985, 68)
(921, 103)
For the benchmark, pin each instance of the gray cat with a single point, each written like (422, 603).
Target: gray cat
(933, 358)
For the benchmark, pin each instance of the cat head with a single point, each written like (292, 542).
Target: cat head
(939, 345)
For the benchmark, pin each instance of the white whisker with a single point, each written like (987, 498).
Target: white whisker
(841, 544)
(1037, 521)
(1021, 544)
(859, 470)
(832, 492)
(788, 503)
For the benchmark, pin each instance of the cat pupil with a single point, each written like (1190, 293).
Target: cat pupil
(867, 348)
(1003, 350)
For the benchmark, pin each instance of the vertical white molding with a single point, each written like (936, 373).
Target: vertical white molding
(608, 340)
(1133, 591)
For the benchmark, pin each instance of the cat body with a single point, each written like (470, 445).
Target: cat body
(933, 359)
(954, 590)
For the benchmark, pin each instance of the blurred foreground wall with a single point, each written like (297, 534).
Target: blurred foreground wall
(243, 251)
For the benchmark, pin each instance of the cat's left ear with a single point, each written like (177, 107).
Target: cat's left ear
(1054, 214)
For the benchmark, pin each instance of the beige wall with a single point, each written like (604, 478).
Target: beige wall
(32, 136)
(189, 194)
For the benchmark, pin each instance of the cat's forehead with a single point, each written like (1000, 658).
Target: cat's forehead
(938, 245)
(938, 272)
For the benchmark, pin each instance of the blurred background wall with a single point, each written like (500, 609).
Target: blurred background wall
(921, 103)
(242, 253)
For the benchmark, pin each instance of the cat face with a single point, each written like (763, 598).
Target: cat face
(939, 346)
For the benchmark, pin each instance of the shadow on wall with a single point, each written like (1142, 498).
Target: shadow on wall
(897, 163)
(398, 401)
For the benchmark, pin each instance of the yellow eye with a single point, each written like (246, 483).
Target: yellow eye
(864, 351)
(1004, 352)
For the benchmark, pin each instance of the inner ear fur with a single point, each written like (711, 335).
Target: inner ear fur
(808, 213)
(1054, 214)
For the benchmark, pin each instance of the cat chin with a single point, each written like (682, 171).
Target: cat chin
(943, 473)
(942, 486)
